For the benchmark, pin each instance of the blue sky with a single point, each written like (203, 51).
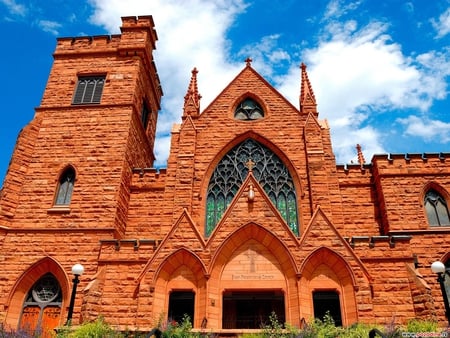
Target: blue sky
(380, 69)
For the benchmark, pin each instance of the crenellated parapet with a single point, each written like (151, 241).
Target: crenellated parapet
(144, 39)
(410, 164)
(149, 179)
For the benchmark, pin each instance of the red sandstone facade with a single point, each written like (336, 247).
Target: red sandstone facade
(362, 250)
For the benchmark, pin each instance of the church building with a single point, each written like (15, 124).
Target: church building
(251, 215)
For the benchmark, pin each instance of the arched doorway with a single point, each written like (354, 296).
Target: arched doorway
(180, 288)
(41, 310)
(39, 298)
(327, 286)
(252, 277)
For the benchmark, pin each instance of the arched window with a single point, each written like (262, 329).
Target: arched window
(42, 307)
(248, 110)
(436, 209)
(65, 187)
(267, 168)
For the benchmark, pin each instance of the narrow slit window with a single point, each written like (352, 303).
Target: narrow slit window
(65, 187)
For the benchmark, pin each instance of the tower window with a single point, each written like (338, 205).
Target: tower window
(145, 115)
(436, 209)
(267, 168)
(248, 110)
(65, 187)
(89, 90)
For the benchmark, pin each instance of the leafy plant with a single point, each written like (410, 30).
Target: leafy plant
(415, 325)
(96, 329)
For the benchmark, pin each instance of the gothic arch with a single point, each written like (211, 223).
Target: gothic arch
(181, 270)
(274, 166)
(442, 200)
(435, 186)
(324, 269)
(249, 95)
(26, 281)
(275, 256)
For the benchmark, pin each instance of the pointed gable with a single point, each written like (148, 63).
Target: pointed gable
(321, 233)
(245, 208)
(183, 235)
(249, 83)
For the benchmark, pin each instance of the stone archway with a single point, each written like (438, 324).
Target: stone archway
(252, 265)
(180, 274)
(24, 285)
(325, 272)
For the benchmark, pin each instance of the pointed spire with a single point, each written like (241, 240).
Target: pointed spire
(361, 159)
(192, 97)
(307, 99)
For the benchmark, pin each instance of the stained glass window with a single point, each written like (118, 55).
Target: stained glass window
(436, 209)
(42, 308)
(267, 168)
(248, 110)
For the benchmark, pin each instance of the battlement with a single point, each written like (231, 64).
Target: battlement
(354, 167)
(137, 33)
(410, 164)
(149, 178)
(408, 158)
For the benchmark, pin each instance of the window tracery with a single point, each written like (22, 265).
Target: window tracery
(436, 209)
(267, 168)
(248, 110)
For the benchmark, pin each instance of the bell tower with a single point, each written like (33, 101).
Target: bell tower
(96, 121)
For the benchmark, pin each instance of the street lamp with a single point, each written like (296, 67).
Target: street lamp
(77, 271)
(439, 269)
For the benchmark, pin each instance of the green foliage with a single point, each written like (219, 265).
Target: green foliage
(179, 330)
(96, 329)
(415, 325)
(325, 328)
(276, 329)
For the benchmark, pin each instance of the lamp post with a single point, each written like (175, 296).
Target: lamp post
(77, 271)
(439, 269)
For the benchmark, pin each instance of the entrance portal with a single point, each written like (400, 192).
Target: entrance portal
(181, 303)
(251, 309)
(327, 302)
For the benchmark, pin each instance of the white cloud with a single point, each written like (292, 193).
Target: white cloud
(430, 130)
(442, 26)
(191, 34)
(14, 8)
(337, 8)
(358, 74)
(49, 26)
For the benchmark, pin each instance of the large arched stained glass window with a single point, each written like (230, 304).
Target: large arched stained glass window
(267, 168)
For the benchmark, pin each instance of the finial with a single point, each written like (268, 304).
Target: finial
(361, 159)
(307, 99)
(192, 97)
(248, 61)
(250, 164)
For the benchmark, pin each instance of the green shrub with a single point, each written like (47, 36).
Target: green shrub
(415, 325)
(96, 329)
